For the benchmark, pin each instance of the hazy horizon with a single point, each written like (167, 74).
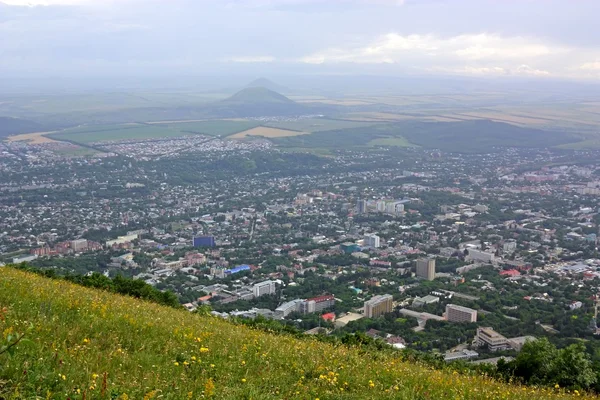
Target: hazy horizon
(78, 39)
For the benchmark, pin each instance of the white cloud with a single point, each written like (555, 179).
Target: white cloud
(527, 70)
(485, 46)
(251, 59)
(466, 47)
(470, 54)
(590, 66)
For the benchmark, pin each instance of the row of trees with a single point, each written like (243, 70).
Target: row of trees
(118, 284)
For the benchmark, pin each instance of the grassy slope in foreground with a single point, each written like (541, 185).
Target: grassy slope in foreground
(91, 343)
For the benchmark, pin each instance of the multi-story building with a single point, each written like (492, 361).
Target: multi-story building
(479, 255)
(481, 208)
(492, 339)
(318, 304)
(204, 241)
(79, 245)
(263, 288)
(394, 208)
(349, 247)
(509, 246)
(421, 301)
(372, 241)
(361, 206)
(456, 313)
(378, 305)
(287, 308)
(426, 268)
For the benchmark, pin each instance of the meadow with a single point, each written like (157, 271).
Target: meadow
(84, 343)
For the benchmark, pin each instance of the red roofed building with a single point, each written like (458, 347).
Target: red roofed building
(510, 272)
(204, 299)
(329, 317)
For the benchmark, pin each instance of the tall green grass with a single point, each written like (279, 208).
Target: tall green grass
(90, 344)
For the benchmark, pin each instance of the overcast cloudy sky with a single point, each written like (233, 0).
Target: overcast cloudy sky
(541, 38)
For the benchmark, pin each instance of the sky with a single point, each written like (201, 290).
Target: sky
(541, 39)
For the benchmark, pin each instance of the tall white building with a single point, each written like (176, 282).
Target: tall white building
(263, 288)
(372, 241)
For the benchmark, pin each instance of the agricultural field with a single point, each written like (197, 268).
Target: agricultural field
(318, 124)
(215, 127)
(103, 133)
(118, 132)
(267, 132)
(86, 343)
(32, 138)
(391, 141)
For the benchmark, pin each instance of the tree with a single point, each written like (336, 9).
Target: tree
(573, 368)
(534, 364)
(541, 363)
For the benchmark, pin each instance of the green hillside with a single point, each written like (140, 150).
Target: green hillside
(88, 344)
